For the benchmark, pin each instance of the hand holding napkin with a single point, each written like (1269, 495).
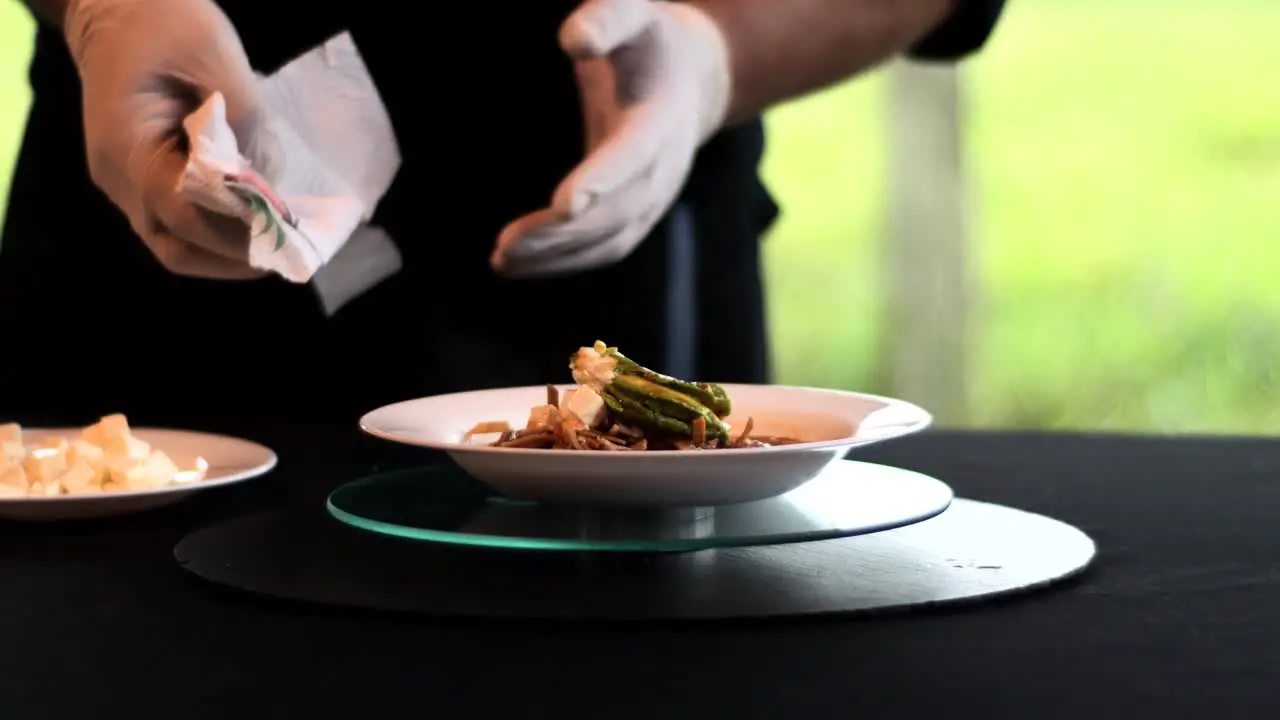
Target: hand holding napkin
(311, 144)
(306, 203)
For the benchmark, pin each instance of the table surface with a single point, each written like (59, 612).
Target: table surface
(1180, 616)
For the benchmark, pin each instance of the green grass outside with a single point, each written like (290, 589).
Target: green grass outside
(15, 96)
(1126, 156)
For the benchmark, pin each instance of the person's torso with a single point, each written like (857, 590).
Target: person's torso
(486, 112)
(482, 99)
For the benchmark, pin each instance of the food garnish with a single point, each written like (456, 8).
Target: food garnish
(619, 405)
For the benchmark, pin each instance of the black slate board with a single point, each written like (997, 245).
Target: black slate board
(973, 551)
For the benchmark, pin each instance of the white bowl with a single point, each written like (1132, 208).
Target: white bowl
(830, 421)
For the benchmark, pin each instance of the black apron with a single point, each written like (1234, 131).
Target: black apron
(99, 326)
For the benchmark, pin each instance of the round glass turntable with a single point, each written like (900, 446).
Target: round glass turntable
(442, 504)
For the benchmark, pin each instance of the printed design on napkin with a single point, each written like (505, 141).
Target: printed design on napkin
(265, 221)
(271, 213)
(322, 160)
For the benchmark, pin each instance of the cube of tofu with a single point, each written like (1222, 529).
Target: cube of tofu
(116, 469)
(127, 447)
(93, 436)
(484, 438)
(583, 403)
(11, 432)
(12, 453)
(482, 432)
(540, 415)
(14, 476)
(80, 478)
(108, 429)
(114, 426)
(45, 465)
(157, 471)
(95, 457)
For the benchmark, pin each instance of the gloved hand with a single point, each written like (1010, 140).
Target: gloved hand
(654, 79)
(144, 66)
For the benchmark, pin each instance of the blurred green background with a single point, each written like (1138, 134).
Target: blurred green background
(1126, 165)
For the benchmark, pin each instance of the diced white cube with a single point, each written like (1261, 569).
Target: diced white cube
(156, 471)
(12, 453)
(14, 476)
(583, 403)
(484, 438)
(11, 432)
(45, 465)
(80, 478)
(95, 457)
(540, 415)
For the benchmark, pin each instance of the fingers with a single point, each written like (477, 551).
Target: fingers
(186, 260)
(187, 239)
(597, 88)
(532, 239)
(628, 151)
(598, 27)
(517, 230)
(560, 237)
(201, 243)
(595, 256)
(549, 241)
(626, 121)
(607, 214)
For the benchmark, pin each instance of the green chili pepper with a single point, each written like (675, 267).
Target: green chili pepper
(631, 412)
(655, 402)
(709, 395)
(670, 403)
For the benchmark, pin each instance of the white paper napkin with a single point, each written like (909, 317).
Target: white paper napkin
(338, 158)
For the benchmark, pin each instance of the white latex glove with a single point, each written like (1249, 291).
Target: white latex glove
(655, 80)
(144, 66)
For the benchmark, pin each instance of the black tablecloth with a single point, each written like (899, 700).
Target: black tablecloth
(1180, 616)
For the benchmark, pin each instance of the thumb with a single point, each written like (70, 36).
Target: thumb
(598, 27)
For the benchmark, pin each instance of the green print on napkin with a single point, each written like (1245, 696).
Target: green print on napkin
(262, 208)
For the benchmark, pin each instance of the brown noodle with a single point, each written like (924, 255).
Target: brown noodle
(563, 431)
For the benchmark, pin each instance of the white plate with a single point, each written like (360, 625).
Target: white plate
(833, 421)
(230, 460)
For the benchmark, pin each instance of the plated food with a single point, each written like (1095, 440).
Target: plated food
(105, 457)
(597, 441)
(617, 404)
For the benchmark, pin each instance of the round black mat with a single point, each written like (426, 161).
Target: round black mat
(443, 504)
(972, 551)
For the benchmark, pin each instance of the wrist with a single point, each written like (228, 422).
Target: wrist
(712, 62)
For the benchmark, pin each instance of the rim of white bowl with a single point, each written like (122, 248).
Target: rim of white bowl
(924, 421)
